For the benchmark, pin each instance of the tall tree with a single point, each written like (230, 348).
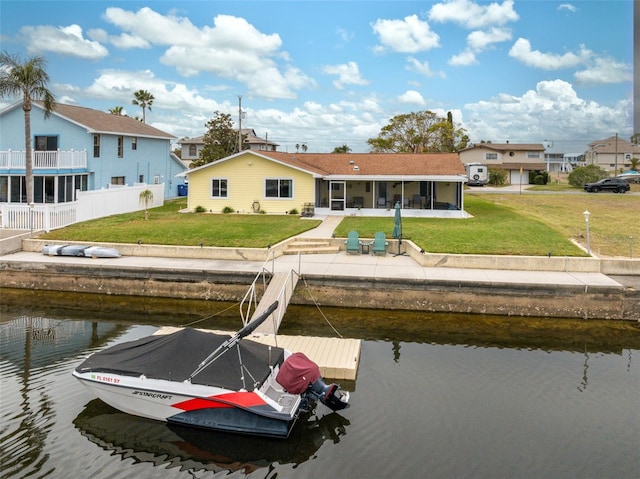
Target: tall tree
(116, 110)
(419, 132)
(29, 80)
(143, 99)
(220, 140)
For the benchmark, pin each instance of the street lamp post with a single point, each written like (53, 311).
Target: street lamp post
(586, 220)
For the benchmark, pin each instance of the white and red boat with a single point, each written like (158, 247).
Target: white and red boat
(211, 381)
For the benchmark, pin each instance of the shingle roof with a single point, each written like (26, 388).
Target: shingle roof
(610, 145)
(373, 164)
(100, 122)
(508, 146)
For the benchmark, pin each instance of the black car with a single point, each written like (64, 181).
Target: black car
(616, 185)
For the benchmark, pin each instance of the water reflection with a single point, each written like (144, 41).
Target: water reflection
(194, 449)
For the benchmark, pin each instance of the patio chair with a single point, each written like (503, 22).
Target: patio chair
(380, 243)
(417, 201)
(353, 242)
(358, 201)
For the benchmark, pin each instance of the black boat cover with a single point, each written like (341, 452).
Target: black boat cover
(175, 356)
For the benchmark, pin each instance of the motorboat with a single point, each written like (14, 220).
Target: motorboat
(80, 250)
(209, 380)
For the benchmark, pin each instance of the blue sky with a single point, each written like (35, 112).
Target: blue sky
(329, 73)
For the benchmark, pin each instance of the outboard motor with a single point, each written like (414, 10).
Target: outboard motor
(299, 375)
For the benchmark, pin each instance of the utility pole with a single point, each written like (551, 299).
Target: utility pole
(239, 123)
(615, 173)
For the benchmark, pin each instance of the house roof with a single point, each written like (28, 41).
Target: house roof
(613, 144)
(96, 121)
(251, 138)
(507, 146)
(389, 165)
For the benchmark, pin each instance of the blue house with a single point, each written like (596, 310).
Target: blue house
(78, 148)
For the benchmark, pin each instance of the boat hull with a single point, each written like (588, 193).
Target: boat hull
(245, 412)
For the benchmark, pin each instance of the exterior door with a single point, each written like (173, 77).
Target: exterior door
(337, 196)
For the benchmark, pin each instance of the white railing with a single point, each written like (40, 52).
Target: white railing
(89, 205)
(15, 159)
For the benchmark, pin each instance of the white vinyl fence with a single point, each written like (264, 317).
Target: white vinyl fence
(89, 205)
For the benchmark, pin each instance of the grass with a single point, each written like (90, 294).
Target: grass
(166, 225)
(527, 224)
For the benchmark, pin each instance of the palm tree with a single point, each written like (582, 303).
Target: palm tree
(116, 110)
(146, 197)
(29, 80)
(143, 99)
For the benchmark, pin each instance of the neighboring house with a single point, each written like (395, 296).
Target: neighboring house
(563, 162)
(78, 148)
(517, 159)
(191, 147)
(612, 153)
(427, 185)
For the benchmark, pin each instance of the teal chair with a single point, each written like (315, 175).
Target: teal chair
(380, 243)
(353, 242)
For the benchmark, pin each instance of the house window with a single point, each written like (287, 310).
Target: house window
(140, 178)
(156, 180)
(192, 150)
(533, 154)
(96, 146)
(219, 188)
(134, 143)
(46, 143)
(490, 156)
(120, 146)
(278, 188)
(117, 180)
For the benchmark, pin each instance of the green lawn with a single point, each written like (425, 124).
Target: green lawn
(526, 224)
(494, 229)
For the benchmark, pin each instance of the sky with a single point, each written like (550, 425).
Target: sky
(332, 73)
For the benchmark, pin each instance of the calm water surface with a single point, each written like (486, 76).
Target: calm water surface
(436, 396)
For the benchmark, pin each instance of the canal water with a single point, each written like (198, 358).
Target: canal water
(437, 396)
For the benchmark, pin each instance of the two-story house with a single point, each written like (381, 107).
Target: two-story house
(612, 154)
(190, 147)
(78, 148)
(518, 159)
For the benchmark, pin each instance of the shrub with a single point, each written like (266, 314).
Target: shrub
(538, 177)
(228, 209)
(200, 209)
(294, 212)
(586, 174)
(497, 176)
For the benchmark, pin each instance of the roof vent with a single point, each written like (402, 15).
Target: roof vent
(356, 168)
(351, 162)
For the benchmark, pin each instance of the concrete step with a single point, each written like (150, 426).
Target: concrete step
(311, 247)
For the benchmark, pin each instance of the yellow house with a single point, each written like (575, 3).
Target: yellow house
(425, 185)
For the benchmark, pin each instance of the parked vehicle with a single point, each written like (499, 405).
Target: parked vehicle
(616, 185)
(477, 173)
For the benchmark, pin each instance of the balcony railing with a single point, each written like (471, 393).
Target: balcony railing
(43, 160)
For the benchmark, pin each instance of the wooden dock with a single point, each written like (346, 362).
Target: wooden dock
(337, 358)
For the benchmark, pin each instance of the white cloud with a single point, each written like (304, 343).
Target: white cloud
(423, 68)
(463, 59)
(410, 35)
(412, 97)
(521, 51)
(569, 7)
(232, 49)
(62, 40)
(605, 71)
(470, 14)
(481, 39)
(348, 74)
(536, 115)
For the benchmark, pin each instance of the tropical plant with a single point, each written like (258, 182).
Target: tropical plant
(586, 174)
(220, 140)
(497, 176)
(419, 132)
(143, 99)
(341, 149)
(29, 80)
(146, 197)
(116, 110)
(634, 163)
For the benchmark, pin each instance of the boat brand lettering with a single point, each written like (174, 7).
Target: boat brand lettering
(152, 395)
